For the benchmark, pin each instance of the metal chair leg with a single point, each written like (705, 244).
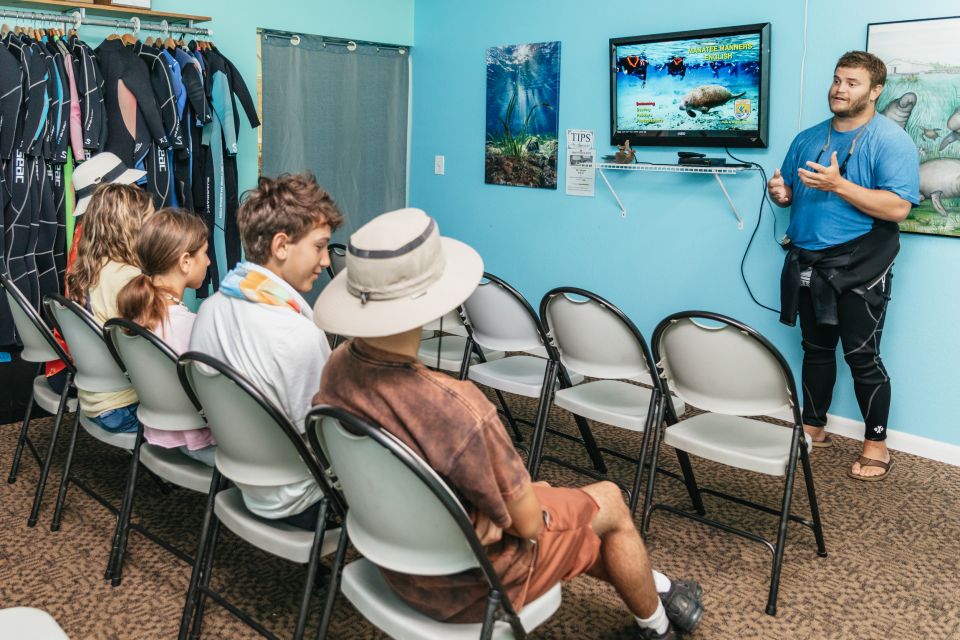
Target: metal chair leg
(333, 587)
(22, 440)
(593, 450)
(65, 479)
(45, 470)
(654, 417)
(543, 413)
(216, 484)
(321, 528)
(490, 617)
(784, 520)
(812, 498)
(205, 580)
(691, 482)
(114, 571)
(509, 416)
(657, 428)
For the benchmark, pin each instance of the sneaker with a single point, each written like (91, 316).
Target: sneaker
(682, 603)
(646, 633)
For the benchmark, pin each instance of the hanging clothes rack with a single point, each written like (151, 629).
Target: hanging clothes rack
(78, 17)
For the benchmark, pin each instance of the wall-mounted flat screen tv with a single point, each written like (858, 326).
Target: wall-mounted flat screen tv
(705, 88)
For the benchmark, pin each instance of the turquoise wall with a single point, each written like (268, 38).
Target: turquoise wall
(679, 246)
(235, 27)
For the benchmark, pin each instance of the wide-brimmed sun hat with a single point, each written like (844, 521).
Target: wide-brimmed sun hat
(100, 169)
(400, 274)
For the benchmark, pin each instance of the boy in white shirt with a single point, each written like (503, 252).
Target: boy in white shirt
(259, 323)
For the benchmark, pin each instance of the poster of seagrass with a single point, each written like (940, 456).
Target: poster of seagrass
(922, 95)
(523, 90)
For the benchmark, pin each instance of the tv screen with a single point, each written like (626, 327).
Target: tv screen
(705, 88)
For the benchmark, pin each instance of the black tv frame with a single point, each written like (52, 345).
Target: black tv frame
(697, 138)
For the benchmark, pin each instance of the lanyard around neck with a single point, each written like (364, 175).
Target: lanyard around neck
(853, 144)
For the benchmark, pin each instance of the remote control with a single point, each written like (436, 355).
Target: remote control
(690, 154)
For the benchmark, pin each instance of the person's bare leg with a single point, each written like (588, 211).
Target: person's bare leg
(817, 434)
(623, 559)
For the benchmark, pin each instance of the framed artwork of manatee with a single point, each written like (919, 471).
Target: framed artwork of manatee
(922, 95)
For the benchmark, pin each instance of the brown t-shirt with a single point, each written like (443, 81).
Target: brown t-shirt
(456, 430)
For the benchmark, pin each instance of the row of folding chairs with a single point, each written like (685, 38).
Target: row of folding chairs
(405, 518)
(583, 354)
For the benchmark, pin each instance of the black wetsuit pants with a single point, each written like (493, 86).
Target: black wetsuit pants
(859, 331)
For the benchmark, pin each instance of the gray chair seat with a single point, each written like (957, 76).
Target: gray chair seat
(451, 353)
(121, 440)
(48, 399)
(173, 466)
(273, 536)
(27, 622)
(520, 375)
(611, 402)
(366, 589)
(733, 440)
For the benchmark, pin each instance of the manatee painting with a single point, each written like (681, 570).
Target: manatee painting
(706, 97)
(899, 110)
(922, 95)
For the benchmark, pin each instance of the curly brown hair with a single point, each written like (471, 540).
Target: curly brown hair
(863, 60)
(110, 227)
(293, 204)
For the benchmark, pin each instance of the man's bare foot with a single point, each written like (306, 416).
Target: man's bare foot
(875, 450)
(817, 434)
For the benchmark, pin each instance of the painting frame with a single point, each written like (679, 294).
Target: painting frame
(521, 142)
(922, 94)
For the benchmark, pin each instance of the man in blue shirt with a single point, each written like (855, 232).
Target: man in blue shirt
(849, 181)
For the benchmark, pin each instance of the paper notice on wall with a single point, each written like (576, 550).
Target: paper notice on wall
(580, 158)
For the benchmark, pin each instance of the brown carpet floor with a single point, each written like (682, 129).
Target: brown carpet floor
(893, 569)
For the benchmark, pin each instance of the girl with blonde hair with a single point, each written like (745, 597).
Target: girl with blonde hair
(172, 252)
(106, 262)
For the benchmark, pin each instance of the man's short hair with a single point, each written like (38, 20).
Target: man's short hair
(293, 204)
(874, 65)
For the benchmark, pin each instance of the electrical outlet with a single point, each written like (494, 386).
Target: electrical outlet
(438, 165)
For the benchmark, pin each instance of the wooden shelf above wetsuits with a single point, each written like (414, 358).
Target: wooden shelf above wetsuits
(64, 6)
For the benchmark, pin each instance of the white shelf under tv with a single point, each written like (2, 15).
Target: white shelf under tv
(715, 171)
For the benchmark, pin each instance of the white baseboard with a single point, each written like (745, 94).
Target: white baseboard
(896, 440)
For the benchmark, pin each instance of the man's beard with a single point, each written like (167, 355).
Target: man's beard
(853, 109)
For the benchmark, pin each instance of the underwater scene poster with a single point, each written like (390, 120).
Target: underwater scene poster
(922, 95)
(523, 90)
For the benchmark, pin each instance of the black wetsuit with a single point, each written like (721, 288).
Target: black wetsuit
(127, 92)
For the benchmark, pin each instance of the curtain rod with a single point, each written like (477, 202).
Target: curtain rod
(79, 17)
(351, 45)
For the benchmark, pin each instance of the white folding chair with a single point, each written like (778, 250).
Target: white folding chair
(595, 338)
(39, 346)
(257, 446)
(97, 370)
(498, 317)
(151, 366)
(27, 622)
(728, 369)
(443, 345)
(406, 519)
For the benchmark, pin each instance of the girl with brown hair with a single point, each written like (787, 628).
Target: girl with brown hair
(172, 252)
(105, 263)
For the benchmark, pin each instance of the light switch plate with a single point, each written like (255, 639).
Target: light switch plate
(438, 165)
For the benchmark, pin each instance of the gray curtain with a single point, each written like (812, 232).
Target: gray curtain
(340, 114)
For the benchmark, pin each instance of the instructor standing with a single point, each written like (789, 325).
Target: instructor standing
(849, 181)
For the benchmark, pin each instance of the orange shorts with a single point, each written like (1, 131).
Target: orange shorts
(568, 546)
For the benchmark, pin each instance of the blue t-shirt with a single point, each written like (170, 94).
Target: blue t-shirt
(884, 157)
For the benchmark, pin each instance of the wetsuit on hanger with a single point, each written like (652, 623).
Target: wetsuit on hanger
(90, 86)
(133, 119)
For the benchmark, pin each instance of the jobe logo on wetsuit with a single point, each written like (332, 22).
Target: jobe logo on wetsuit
(19, 168)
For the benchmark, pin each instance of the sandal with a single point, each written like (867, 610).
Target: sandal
(870, 462)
